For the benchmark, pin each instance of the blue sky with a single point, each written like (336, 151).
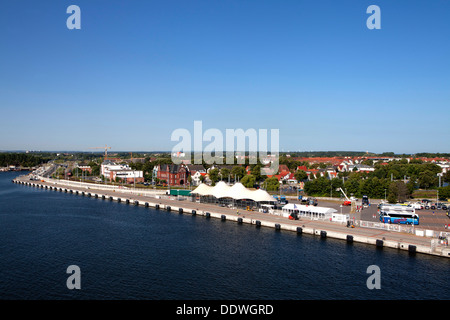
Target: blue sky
(138, 70)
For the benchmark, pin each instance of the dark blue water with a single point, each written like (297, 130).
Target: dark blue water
(127, 252)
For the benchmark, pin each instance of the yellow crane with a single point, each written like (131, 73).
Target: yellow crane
(106, 150)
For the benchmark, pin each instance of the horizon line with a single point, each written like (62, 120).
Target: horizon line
(234, 151)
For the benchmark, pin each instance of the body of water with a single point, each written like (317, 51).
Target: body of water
(128, 252)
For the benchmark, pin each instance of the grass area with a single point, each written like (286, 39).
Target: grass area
(424, 194)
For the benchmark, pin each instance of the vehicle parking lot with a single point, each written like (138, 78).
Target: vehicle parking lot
(432, 219)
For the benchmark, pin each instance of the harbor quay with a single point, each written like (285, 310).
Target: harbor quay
(157, 199)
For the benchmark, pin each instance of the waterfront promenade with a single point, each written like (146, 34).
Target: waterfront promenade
(322, 229)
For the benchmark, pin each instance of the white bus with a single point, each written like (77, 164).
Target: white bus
(396, 207)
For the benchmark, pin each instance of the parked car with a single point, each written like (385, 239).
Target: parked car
(417, 206)
(441, 205)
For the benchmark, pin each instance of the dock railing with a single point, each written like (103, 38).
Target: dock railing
(86, 185)
(403, 228)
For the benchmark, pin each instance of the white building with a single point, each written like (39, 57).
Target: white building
(196, 178)
(309, 212)
(113, 171)
(360, 168)
(445, 166)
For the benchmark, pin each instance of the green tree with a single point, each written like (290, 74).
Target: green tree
(444, 192)
(238, 172)
(214, 175)
(95, 168)
(318, 187)
(256, 172)
(434, 168)
(352, 185)
(248, 181)
(24, 159)
(398, 191)
(300, 175)
(334, 184)
(426, 179)
(224, 173)
(76, 172)
(446, 176)
(271, 184)
(393, 193)
(410, 186)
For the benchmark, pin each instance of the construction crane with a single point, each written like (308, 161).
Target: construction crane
(106, 150)
(347, 201)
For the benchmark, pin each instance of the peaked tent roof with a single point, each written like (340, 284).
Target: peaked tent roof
(203, 190)
(221, 190)
(238, 192)
(262, 195)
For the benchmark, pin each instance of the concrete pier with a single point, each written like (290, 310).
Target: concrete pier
(380, 239)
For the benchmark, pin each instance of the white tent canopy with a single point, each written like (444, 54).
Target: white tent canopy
(203, 190)
(262, 196)
(221, 190)
(237, 192)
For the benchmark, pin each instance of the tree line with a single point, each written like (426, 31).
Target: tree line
(23, 159)
(395, 181)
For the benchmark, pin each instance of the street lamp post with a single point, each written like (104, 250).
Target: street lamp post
(331, 189)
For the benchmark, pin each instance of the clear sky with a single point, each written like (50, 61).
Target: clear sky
(138, 70)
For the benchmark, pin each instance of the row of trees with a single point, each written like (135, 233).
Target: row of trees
(395, 181)
(23, 159)
(374, 187)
